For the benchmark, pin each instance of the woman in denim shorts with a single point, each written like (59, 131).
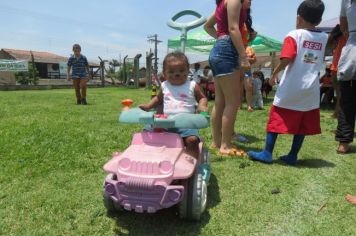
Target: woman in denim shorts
(225, 59)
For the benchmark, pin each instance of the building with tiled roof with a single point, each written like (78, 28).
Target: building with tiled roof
(52, 68)
(41, 57)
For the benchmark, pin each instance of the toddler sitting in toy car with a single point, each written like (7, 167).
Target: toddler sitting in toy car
(180, 95)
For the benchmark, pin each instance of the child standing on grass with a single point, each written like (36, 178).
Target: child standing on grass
(295, 107)
(180, 95)
(257, 101)
(80, 74)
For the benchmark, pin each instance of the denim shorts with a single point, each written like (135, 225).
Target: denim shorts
(224, 58)
(184, 133)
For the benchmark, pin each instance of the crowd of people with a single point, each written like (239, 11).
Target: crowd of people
(296, 104)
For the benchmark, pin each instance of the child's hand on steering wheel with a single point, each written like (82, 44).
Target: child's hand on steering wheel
(144, 107)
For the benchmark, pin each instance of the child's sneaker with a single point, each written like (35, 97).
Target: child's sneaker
(289, 159)
(263, 156)
(84, 101)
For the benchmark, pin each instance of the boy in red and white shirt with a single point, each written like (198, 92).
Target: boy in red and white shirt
(296, 104)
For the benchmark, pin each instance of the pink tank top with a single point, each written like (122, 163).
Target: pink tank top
(222, 21)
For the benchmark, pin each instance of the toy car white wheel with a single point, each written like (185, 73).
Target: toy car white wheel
(184, 203)
(108, 202)
(206, 156)
(199, 197)
(195, 198)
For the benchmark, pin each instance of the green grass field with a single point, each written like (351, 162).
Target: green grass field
(52, 152)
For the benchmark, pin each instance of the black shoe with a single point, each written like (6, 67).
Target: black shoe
(84, 101)
(79, 102)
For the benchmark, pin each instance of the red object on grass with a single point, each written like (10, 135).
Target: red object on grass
(127, 103)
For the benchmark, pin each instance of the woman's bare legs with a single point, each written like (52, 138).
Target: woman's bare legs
(224, 111)
(216, 115)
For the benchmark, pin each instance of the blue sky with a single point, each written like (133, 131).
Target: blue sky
(112, 28)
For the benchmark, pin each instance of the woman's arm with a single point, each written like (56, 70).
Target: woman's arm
(233, 15)
(209, 26)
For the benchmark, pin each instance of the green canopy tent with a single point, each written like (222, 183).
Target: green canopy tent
(200, 42)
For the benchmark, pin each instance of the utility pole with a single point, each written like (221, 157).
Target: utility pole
(33, 67)
(154, 39)
(149, 69)
(136, 68)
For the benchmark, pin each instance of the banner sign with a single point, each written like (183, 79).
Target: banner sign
(13, 66)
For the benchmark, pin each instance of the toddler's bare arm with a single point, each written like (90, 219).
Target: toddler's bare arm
(201, 99)
(157, 100)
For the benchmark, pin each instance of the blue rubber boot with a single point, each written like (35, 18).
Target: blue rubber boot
(292, 157)
(266, 155)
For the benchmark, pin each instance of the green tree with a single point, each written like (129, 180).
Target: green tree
(26, 78)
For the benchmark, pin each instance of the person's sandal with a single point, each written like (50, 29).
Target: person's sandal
(343, 148)
(233, 152)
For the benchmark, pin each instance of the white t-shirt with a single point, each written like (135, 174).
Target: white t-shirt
(196, 75)
(348, 10)
(299, 87)
(178, 99)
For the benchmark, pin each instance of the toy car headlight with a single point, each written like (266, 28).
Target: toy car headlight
(165, 167)
(124, 164)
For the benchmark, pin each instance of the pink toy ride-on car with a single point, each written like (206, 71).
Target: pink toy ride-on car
(155, 172)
